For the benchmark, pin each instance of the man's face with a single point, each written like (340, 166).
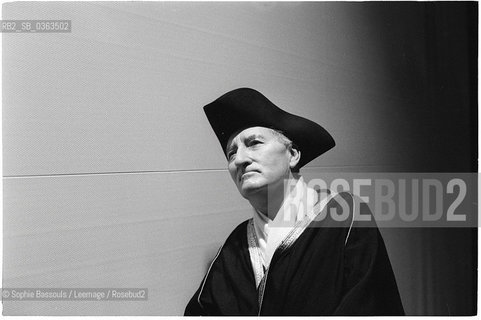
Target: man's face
(257, 159)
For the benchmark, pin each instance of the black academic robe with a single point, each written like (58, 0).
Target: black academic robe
(332, 268)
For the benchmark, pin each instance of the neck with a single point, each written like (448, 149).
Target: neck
(270, 201)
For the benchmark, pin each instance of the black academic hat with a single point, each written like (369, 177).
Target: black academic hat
(244, 108)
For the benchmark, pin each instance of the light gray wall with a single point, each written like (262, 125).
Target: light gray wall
(112, 175)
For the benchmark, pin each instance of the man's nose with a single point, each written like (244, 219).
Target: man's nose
(242, 157)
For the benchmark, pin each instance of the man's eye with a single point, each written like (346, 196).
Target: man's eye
(254, 142)
(230, 155)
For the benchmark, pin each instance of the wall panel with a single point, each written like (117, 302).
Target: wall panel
(129, 82)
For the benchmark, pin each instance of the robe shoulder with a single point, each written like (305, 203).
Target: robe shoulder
(346, 210)
(238, 235)
(228, 288)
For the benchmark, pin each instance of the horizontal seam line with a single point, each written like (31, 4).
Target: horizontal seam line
(166, 171)
(112, 173)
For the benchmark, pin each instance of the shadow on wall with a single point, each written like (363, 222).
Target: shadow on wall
(433, 63)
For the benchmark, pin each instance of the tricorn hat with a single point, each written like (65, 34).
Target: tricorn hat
(244, 108)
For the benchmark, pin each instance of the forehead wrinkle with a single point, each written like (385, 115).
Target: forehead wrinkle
(241, 135)
(254, 136)
(249, 137)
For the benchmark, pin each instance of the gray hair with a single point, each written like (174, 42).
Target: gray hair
(282, 138)
(285, 141)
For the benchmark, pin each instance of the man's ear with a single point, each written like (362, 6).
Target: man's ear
(295, 157)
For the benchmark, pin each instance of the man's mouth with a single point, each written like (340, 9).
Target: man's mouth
(246, 174)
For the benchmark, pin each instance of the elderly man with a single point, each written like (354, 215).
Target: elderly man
(286, 260)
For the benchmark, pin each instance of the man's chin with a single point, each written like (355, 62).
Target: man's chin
(250, 189)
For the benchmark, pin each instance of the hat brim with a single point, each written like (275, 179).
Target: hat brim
(244, 108)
